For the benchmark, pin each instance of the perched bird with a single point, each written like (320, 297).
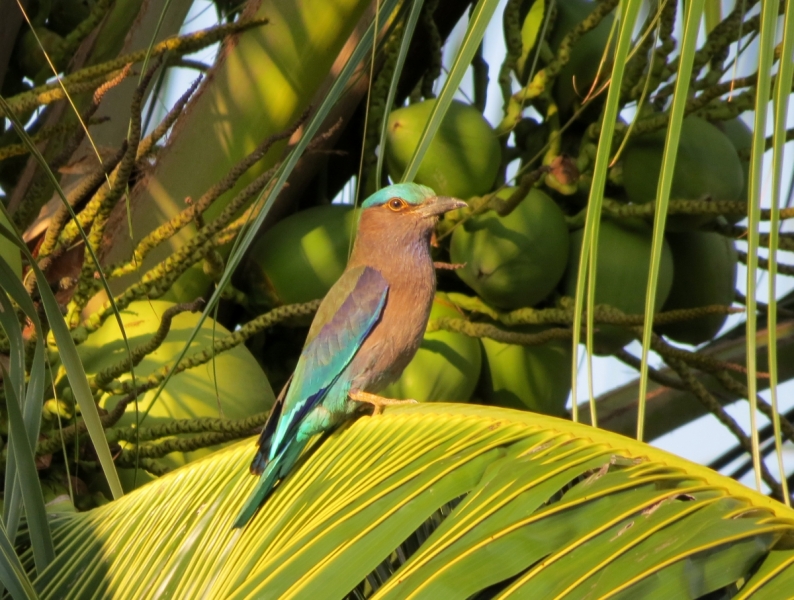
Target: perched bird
(366, 331)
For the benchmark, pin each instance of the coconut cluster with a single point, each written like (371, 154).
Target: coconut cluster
(529, 256)
(231, 385)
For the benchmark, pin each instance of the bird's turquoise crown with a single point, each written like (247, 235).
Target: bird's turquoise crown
(412, 193)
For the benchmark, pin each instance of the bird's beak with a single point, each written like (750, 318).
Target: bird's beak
(439, 205)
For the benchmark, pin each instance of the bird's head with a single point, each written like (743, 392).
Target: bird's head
(407, 207)
(396, 225)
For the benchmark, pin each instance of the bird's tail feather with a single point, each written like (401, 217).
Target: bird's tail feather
(275, 470)
(266, 438)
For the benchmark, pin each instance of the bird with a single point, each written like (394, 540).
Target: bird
(365, 332)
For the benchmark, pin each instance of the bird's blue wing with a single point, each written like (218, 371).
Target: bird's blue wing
(344, 320)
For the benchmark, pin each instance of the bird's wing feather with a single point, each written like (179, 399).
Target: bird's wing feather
(337, 295)
(345, 318)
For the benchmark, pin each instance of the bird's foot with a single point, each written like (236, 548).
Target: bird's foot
(377, 401)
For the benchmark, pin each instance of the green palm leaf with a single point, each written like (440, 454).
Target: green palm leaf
(536, 506)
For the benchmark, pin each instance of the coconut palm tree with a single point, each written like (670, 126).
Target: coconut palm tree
(163, 254)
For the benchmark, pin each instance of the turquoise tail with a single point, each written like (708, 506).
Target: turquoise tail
(275, 470)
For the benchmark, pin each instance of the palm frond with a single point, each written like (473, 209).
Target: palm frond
(432, 500)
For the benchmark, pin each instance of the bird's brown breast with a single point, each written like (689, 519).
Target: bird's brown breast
(399, 332)
(398, 247)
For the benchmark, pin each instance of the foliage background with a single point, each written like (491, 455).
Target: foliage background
(609, 374)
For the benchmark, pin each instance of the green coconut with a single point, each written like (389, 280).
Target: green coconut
(705, 265)
(536, 378)
(29, 56)
(576, 77)
(623, 261)
(234, 387)
(301, 257)
(740, 135)
(707, 166)
(66, 15)
(463, 158)
(516, 260)
(446, 366)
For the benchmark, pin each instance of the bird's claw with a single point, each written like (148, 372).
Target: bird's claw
(378, 402)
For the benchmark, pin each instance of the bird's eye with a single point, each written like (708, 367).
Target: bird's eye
(396, 204)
